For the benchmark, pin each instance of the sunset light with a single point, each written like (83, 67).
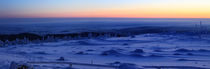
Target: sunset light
(106, 8)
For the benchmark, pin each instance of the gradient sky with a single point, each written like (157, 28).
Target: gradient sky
(105, 8)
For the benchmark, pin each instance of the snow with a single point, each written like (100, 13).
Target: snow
(145, 49)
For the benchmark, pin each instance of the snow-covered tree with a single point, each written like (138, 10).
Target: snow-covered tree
(1, 43)
(24, 41)
(7, 43)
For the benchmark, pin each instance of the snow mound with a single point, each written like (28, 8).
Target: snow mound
(61, 59)
(128, 66)
(155, 55)
(184, 50)
(40, 52)
(110, 52)
(177, 54)
(81, 53)
(187, 50)
(203, 50)
(138, 51)
(158, 50)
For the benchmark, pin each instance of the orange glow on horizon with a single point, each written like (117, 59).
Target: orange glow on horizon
(117, 9)
(126, 13)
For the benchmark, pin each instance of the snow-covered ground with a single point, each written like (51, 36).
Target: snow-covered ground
(142, 50)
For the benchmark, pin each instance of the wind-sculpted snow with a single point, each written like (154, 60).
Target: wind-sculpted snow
(187, 50)
(111, 52)
(140, 50)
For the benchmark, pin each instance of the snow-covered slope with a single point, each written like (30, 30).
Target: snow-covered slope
(142, 50)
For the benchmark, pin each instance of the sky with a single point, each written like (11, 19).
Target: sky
(105, 8)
